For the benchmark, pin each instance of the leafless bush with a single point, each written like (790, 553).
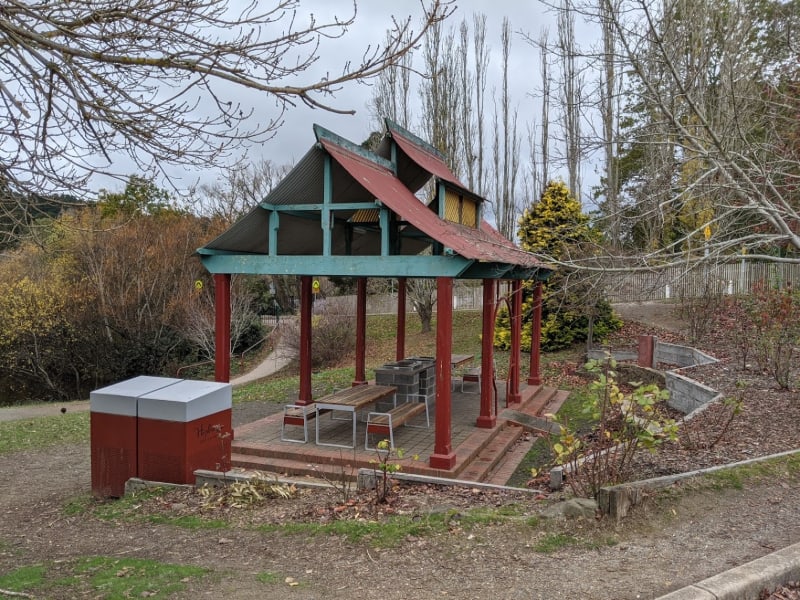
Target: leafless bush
(700, 311)
(332, 336)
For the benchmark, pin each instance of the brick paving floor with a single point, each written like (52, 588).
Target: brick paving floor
(470, 443)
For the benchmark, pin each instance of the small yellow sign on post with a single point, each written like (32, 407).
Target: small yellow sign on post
(315, 286)
(198, 285)
(707, 231)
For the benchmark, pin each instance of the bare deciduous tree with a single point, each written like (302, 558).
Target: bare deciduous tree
(571, 90)
(159, 81)
(238, 189)
(481, 57)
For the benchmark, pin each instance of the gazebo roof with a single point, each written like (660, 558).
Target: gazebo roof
(377, 224)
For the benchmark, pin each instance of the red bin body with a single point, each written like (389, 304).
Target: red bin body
(113, 424)
(182, 428)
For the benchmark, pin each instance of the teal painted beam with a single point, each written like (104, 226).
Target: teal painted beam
(343, 266)
(274, 226)
(384, 219)
(316, 207)
(327, 196)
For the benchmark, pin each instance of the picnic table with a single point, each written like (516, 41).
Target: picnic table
(458, 360)
(351, 400)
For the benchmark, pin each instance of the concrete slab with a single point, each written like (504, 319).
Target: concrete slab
(746, 581)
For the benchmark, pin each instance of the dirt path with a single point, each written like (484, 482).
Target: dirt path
(661, 548)
(659, 314)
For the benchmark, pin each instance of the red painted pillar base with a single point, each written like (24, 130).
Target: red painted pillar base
(535, 372)
(486, 418)
(443, 456)
(361, 332)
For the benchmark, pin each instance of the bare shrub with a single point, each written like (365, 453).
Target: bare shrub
(333, 336)
(700, 311)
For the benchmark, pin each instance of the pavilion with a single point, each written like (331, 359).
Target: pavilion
(346, 211)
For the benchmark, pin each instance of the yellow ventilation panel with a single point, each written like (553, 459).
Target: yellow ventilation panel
(366, 215)
(459, 209)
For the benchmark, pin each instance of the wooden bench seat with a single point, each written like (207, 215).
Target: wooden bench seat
(384, 423)
(472, 375)
(299, 415)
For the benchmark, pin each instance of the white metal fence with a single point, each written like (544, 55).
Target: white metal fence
(662, 284)
(679, 282)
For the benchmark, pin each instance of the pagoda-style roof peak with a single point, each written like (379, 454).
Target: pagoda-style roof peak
(346, 210)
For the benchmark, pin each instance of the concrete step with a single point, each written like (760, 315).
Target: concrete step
(295, 468)
(540, 400)
(511, 460)
(491, 454)
(556, 402)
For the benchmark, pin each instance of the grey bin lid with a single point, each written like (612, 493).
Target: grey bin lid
(187, 400)
(122, 398)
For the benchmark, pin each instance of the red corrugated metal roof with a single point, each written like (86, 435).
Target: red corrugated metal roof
(474, 244)
(425, 159)
(436, 166)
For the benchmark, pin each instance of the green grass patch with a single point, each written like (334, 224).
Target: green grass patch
(125, 578)
(393, 531)
(386, 534)
(25, 578)
(269, 578)
(540, 456)
(282, 388)
(552, 542)
(783, 467)
(100, 577)
(43, 432)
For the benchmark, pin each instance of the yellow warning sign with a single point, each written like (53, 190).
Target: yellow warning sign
(315, 286)
(707, 231)
(198, 285)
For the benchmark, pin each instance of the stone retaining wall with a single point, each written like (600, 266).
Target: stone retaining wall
(685, 394)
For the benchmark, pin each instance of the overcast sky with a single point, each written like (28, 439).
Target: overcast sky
(374, 17)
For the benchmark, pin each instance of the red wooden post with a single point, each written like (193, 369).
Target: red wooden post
(400, 354)
(487, 419)
(516, 342)
(361, 331)
(647, 350)
(222, 327)
(304, 396)
(535, 374)
(443, 456)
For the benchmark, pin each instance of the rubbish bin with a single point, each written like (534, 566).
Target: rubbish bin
(113, 426)
(184, 427)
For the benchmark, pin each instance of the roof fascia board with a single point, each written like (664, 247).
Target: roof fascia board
(392, 125)
(324, 134)
(342, 266)
(317, 206)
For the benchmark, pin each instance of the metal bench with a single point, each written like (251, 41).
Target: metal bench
(384, 423)
(299, 415)
(471, 376)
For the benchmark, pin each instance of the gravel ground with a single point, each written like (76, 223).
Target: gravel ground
(677, 538)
